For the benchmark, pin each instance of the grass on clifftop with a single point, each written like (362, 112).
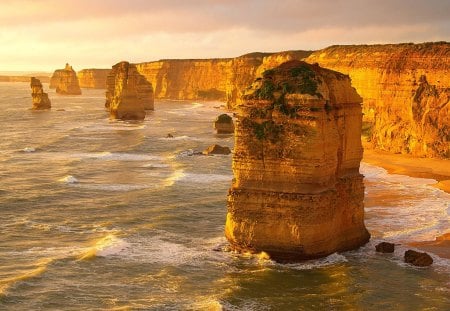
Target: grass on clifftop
(289, 78)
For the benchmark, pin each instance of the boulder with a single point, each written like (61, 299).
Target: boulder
(385, 247)
(40, 99)
(216, 149)
(224, 124)
(417, 258)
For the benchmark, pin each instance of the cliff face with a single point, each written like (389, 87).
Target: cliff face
(406, 92)
(297, 191)
(65, 81)
(210, 79)
(128, 93)
(93, 78)
(39, 98)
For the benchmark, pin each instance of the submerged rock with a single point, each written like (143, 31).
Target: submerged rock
(224, 124)
(40, 99)
(417, 258)
(297, 192)
(128, 94)
(385, 247)
(65, 81)
(216, 149)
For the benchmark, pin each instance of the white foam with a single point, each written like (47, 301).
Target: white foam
(69, 179)
(109, 156)
(205, 178)
(176, 138)
(114, 187)
(403, 208)
(330, 260)
(111, 246)
(29, 149)
(156, 165)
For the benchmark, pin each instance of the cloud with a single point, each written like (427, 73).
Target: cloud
(44, 33)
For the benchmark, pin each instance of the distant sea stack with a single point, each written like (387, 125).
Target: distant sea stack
(128, 93)
(224, 124)
(40, 99)
(93, 78)
(65, 81)
(406, 92)
(297, 192)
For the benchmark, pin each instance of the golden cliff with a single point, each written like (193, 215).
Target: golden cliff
(297, 191)
(93, 78)
(210, 79)
(406, 93)
(40, 99)
(128, 93)
(65, 81)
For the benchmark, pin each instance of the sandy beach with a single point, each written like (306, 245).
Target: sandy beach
(437, 169)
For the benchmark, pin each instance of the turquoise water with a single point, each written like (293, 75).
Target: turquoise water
(109, 215)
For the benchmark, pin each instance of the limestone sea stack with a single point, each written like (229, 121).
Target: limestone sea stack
(128, 93)
(40, 99)
(297, 192)
(65, 81)
(224, 124)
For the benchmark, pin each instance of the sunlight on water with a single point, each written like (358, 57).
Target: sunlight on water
(113, 215)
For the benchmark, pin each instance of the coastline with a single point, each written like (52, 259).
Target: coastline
(437, 169)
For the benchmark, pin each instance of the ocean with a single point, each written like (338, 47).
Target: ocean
(111, 215)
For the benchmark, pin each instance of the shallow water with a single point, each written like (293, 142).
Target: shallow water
(108, 215)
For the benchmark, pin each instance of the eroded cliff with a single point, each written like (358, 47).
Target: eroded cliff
(93, 78)
(65, 81)
(406, 92)
(297, 191)
(128, 93)
(40, 99)
(210, 79)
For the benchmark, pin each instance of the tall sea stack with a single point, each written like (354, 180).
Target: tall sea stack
(297, 192)
(40, 99)
(128, 93)
(65, 81)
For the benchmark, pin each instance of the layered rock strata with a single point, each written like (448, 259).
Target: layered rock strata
(93, 78)
(406, 92)
(297, 192)
(39, 98)
(128, 94)
(65, 81)
(210, 79)
(224, 124)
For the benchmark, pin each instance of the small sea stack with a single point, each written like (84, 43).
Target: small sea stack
(65, 81)
(297, 192)
(224, 124)
(128, 93)
(40, 99)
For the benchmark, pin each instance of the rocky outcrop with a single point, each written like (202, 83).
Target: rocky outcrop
(216, 149)
(128, 94)
(224, 124)
(406, 92)
(210, 79)
(297, 191)
(39, 98)
(385, 247)
(417, 258)
(93, 78)
(65, 81)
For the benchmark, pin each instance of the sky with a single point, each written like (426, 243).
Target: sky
(42, 35)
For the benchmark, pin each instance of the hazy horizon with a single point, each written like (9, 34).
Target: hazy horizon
(43, 35)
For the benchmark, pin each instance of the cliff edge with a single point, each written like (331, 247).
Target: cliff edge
(406, 92)
(65, 81)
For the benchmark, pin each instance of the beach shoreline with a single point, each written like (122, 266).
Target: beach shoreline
(430, 168)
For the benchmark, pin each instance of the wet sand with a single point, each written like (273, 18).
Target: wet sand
(437, 169)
